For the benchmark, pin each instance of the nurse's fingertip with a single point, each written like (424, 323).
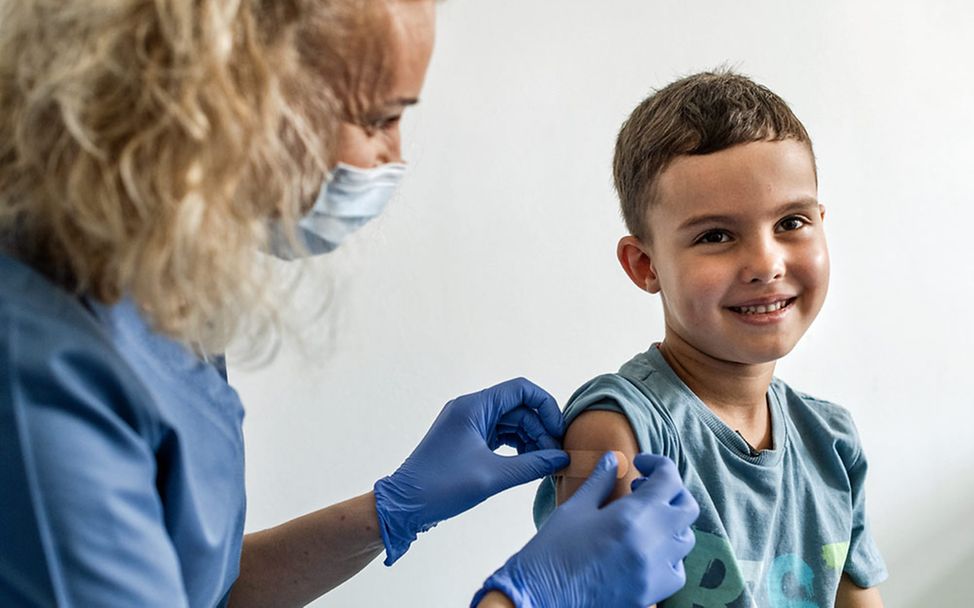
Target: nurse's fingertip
(608, 461)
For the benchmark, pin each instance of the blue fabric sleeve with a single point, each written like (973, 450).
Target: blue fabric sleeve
(864, 564)
(83, 522)
(649, 422)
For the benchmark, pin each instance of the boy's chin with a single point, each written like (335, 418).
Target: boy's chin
(740, 350)
(761, 354)
(746, 355)
(741, 353)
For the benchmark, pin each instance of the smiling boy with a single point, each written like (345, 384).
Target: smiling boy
(718, 187)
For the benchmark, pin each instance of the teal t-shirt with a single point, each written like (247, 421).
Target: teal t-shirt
(776, 528)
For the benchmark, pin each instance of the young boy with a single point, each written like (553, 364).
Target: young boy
(718, 187)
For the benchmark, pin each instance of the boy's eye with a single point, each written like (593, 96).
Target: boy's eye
(792, 223)
(712, 237)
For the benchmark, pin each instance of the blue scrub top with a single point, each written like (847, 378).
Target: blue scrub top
(121, 457)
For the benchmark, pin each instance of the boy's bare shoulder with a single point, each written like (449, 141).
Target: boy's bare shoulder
(600, 429)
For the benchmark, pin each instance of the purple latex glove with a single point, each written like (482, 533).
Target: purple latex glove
(628, 553)
(454, 468)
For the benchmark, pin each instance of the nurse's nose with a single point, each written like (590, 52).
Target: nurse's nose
(390, 149)
(366, 148)
(764, 261)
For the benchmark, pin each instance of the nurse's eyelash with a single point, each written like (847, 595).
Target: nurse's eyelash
(712, 237)
(380, 124)
(388, 122)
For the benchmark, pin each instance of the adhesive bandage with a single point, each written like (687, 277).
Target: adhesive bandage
(583, 463)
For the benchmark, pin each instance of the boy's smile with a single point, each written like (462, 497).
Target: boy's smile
(736, 249)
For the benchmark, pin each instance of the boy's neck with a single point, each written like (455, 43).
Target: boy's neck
(736, 392)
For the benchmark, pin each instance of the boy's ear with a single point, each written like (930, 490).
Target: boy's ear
(637, 263)
(821, 210)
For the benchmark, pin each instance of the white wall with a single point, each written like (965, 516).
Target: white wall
(497, 260)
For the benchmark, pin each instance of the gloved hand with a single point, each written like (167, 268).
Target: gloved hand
(455, 468)
(628, 553)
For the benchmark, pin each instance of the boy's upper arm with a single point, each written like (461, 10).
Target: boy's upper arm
(603, 431)
(851, 595)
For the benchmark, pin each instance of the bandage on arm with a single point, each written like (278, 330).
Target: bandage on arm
(583, 463)
(592, 434)
(598, 431)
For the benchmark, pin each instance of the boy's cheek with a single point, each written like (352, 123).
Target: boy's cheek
(706, 284)
(816, 266)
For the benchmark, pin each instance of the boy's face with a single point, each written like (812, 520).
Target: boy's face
(738, 250)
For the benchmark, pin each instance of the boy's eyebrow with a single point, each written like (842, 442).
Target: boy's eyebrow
(807, 204)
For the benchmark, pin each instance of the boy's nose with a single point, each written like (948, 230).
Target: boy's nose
(765, 263)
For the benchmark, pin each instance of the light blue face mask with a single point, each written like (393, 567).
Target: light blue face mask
(347, 201)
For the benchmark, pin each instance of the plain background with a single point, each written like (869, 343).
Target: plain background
(497, 260)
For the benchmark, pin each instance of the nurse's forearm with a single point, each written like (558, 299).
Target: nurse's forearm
(296, 562)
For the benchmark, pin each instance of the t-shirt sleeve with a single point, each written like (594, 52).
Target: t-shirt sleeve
(613, 393)
(82, 519)
(864, 564)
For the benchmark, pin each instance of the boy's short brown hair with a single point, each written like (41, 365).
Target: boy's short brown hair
(699, 114)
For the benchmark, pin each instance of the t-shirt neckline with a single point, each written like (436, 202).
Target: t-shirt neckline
(725, 434)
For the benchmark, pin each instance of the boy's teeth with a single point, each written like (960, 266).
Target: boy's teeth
(750, 310)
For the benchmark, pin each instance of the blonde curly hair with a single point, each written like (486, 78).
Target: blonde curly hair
(146, 144)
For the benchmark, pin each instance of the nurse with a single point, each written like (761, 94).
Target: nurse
(148, 150)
